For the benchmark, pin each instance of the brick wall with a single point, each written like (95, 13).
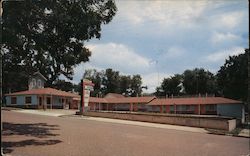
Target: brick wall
(176, 119)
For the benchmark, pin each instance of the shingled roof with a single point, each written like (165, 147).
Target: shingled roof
(44, 91)
(121, 100)
(113, 95)
(194, 101)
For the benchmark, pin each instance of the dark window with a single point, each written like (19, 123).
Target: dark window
(211, 107)
(13, 100)
(39, 83)
(28, 99)
(48, 100)
(40, 101)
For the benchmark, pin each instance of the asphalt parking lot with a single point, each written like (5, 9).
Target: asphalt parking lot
(32, 134)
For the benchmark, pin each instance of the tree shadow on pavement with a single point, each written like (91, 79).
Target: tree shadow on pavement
(38, 130)
(9, 145)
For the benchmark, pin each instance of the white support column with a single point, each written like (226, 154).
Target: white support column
(243, 114)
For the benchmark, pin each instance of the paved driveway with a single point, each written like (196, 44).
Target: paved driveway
(30, 134)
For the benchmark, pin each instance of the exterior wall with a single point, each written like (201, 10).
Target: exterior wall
(211, 109)
(56, 101)
(65, 103)
(37, 78)
(95, 106)
(8, 100)
(153, 108)
(185, 109)
(185, 120)
(20, 100)
(123, 107)
(34, 100)
(232, 110)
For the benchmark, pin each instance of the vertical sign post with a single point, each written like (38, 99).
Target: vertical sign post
(87, 86)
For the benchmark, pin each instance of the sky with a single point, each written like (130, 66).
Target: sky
(158, 39)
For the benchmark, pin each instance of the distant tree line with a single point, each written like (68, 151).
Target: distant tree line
(111, 81)
(230, 81)
(190, 82)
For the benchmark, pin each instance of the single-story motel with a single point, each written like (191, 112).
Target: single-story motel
(43, 98)
(49, 98)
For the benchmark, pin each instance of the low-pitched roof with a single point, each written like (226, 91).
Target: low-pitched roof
(193, 101)
(113, 95)
(122, 100)
(44, 91)
(97, 100)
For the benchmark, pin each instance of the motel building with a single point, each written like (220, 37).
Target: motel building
(42, 98)
(48, 98)
(218, 106)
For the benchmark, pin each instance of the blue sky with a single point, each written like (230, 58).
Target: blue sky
(157, 39)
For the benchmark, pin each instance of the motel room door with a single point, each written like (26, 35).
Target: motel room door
(41, 103)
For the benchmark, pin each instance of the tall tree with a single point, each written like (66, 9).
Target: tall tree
(136, 85)
(170, 86)
(64, 85)
(125, 85)
(96, 77)
(49, 35)
(199, 81)
(111, 81)
(232, 77)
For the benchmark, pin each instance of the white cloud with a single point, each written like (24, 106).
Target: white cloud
(218, 38)
(223, 54)
(189, 29)
(229, 20)
(164, 12)
(119, 57)
(174, 52)
(153, 80)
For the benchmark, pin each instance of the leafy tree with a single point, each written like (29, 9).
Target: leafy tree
(49, 36)
(170, 86)
(125, 85)
(64, 85)
(111, 81)
(193, 81)
(199, 81)
(96, 77)
(232, 77)
(136, 85)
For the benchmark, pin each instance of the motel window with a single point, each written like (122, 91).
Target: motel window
(211, 107)
(39, 83)
(48, 100)
(13, 100)
(34, 82)
(28, 99)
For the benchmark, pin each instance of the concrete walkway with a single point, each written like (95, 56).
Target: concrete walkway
(48, 112)
(244, 133)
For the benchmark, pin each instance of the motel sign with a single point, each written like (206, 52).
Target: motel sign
(87, 86)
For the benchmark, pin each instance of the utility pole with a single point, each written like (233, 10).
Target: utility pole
(1, 69)
(1, 61)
